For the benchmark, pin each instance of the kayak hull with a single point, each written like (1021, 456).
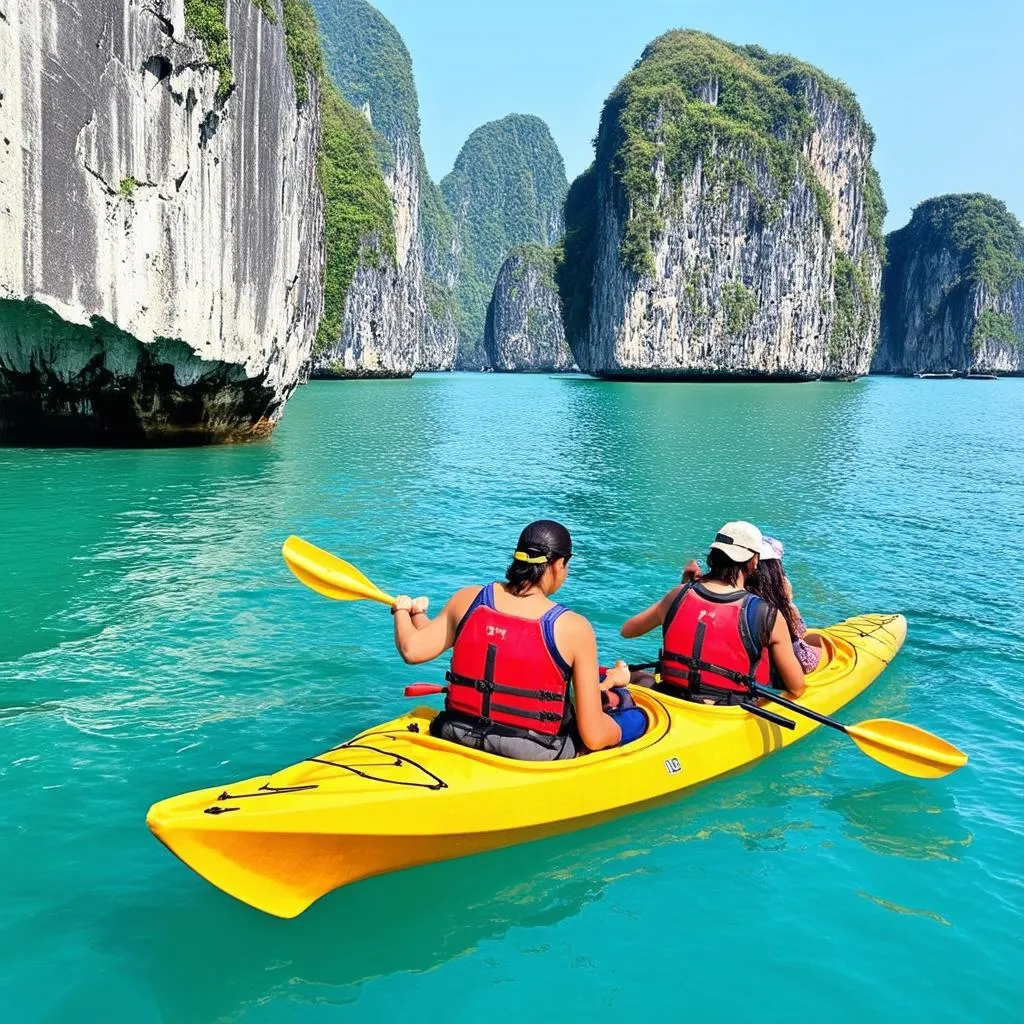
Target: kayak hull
(396, 797)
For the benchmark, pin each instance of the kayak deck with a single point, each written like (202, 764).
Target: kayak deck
(395, 796)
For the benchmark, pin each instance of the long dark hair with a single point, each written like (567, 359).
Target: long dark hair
(769, 581)
(542, 539)
(722, 569)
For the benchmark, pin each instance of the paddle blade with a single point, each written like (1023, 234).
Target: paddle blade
(906, 748)
(329, 575)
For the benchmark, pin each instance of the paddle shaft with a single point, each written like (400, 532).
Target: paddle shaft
(773, 696)
(759, 712)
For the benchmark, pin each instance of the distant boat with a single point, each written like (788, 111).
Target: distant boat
(935, 376)
(981, 376)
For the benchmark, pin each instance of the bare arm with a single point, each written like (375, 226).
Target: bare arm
(421, 640)
(780, 649)
(650, 618)
(576, 638)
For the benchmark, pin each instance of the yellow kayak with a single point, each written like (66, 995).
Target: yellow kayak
(394, 796)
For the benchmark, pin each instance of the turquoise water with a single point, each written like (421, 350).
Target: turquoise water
(153, 642)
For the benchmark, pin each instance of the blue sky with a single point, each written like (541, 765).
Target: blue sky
(942, 83)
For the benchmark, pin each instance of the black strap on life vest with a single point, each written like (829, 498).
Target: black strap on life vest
(487, 686)
(696, 666)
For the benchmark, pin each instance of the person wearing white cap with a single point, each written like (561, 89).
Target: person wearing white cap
(717, 637)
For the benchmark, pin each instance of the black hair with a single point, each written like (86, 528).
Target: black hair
(769, 581)
(543, 538)
(722, 569)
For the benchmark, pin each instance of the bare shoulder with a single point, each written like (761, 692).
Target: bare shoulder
(459, 602)
(575, 624)
(574, 632)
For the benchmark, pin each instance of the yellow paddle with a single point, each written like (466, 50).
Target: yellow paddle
(904, 748)
(328, 575)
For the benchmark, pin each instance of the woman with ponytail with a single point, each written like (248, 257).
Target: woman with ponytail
(524, 680)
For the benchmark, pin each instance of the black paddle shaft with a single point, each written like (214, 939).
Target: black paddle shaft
(773, 696)
(754, 709)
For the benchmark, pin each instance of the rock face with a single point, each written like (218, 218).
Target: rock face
(953, 290)
(730, 225)
(383, 316)
(506, 189)
(389, 327)
(524, 329)
(160, 223)
(440, 341)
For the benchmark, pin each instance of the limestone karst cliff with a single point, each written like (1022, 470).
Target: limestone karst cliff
(165, 241)
(393, 323)
(440, 341)
(730, 225)
(506, 189)
(524, 329)
(953, 290)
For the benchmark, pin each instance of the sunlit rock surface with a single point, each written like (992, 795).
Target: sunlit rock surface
(160, 244)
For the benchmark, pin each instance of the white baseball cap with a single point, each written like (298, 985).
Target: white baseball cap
(739, 541)
(771, 548)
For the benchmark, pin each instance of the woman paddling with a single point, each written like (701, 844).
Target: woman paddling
(717, 637)
(517, 656)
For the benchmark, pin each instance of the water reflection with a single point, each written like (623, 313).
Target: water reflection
(902, 818)
(674, 461)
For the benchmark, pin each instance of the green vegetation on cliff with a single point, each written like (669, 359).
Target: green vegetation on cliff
(357, 207)
(358, 219)
(693, 97)
(370, 64)
(438, 231)
(739, 306)
(986, 239)
(986, 243)
(689, 96)
(743, 113)
(998, 327)
(268, 9)
(542, 257)
(207, 19)
(507, 188)
(855, 308)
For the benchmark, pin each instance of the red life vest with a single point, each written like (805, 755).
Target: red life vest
(715, 642)
(508, 671)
